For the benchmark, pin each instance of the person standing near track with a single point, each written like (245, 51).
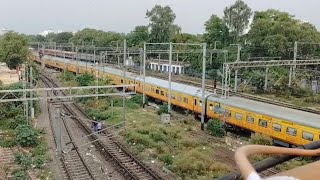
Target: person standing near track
(99, 127)
(94, 124)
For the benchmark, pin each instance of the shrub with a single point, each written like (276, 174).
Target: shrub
(167, 159)
(68, 76)
(6, 143)
(215, 128)
(38, 161)
(157, 136)
(137, 138)
(197, 162)
(23, 160)
(39, 150)
(26, 136)
(137, 99)
(18, 121)
(261, 139)
(85, 79)
(20, 175)
(313, 99)
(163, 109)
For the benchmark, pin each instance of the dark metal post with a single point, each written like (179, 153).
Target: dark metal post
(203, 84)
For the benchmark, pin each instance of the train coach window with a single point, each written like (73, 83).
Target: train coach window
(162, 93)
(157, 91)
(238, 116)
(121, 80)
(173, 96)
(179, 98)
(250, 119)
(307, 136)
(185, 100)
(263, 123)
(227, 113)
(291, 131)
(200, 103)
(217, 109)
(195, 102)
(276, 127)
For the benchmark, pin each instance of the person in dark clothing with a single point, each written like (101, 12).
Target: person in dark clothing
(93, 126)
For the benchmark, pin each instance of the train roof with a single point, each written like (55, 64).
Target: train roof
(284, 113)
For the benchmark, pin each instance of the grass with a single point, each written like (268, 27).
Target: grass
(7, 134)
(170, 145)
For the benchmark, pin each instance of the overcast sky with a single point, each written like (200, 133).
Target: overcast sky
(35, 16)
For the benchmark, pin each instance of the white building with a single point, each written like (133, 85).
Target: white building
(3, 31)
(46, 32)
(163, 66)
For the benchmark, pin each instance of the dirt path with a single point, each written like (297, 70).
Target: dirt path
(43, 122)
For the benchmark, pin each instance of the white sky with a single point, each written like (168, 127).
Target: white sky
(34, 16)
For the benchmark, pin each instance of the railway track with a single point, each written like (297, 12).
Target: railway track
(73, 164)
(127, 164)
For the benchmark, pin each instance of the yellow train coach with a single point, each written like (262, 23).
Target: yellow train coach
(286, 126)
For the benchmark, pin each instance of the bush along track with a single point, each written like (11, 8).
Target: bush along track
(28, 143)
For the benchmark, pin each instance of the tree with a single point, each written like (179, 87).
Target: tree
(161, 23)
(273, 33)
(13, 49)
(96, 37)
(187, 38)
(237, 18)
(216, 30)
(50, 37)
(63, 37)
(139, 35)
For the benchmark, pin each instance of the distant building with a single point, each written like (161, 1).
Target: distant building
(162, 65)
(46, 32)
(3, 31)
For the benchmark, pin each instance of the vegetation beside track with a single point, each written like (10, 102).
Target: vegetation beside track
(171, 146)
(15, 132)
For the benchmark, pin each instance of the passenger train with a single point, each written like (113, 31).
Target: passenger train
(286, 126)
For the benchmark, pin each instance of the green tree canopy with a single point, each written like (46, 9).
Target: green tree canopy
(273, 33)
(97, 37)
(63, 37)
(216, 30)
(13, 49)
(187, 38)
(161, 24)
(237, 18)
(139, 35)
